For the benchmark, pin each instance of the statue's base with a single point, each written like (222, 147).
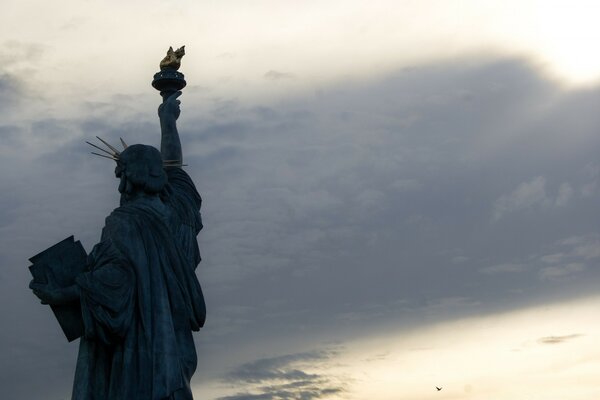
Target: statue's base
(168, 81)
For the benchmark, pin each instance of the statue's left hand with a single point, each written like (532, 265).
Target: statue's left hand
(51, 293)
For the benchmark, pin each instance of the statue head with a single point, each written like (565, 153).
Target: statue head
(140, 168)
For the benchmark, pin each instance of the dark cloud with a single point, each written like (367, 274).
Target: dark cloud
(332, 183)
(280, 378)
(18, 60)
(275, 368)
(11, 89)
(558, 339)
(327, 216)
(355, 204)
(276, 393)
(10, 136)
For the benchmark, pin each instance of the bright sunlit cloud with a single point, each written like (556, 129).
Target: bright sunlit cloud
(547, 352)
(562, 35)
(268, 47)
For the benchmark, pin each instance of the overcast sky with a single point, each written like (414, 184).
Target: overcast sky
(398, 195)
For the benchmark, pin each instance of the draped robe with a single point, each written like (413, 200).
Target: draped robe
(141, 300)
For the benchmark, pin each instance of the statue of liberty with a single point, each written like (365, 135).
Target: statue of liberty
(138, 292)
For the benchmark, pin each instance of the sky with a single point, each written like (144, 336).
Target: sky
(397, 195)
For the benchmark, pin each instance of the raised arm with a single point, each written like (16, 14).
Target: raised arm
(168, 112)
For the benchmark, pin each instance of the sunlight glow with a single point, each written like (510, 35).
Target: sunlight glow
(234, 45)
(566, 35)
(546, 352)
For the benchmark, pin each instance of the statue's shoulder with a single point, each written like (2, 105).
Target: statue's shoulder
(178, 175)
(123, 212)
(140, 215)
(125, 228)
(182, 186)
(121, 221)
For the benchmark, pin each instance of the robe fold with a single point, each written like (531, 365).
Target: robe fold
(141, 300)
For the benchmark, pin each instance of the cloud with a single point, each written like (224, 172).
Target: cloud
(526, 195)
(406, 185)
(18, 53)
(276, 368)
(589, 189)
(459, 259)
(18, 65)
(348, 203)
(565, 193)
(504, 268)
(282, 378)
(276, 75)
(11, 89)
(553, 258)
(530, 195)
(558, 339)
(10, 136)
(291, 392)
(587, 247)
(560, 271)
(561, 259)
(572, 257)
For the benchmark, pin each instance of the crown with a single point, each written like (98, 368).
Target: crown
(112, 153)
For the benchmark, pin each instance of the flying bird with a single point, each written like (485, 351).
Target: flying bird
(438, 388)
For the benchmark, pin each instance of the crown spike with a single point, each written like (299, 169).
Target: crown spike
(123, 143)
(117, 152)
(102, 155)
(101, 149)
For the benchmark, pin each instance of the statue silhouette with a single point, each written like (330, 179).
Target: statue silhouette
(139, 295)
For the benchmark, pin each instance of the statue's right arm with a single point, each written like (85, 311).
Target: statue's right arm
(170, 144)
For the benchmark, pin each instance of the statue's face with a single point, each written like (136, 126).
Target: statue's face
(122, 184)
(119, 169)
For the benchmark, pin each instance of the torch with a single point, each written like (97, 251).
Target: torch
(168, 80)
